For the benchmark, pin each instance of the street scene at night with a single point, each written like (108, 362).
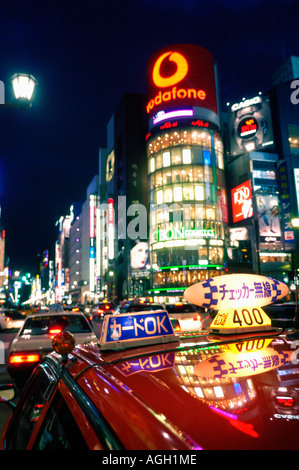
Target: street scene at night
(149, 228)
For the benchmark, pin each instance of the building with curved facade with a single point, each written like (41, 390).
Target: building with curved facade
(188, 209)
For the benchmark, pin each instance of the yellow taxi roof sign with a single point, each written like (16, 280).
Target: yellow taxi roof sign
(236, 290)
(240, 320)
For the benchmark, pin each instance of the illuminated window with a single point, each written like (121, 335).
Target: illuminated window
(210, 213)
(159, 162)
(176, 175)
(167, 177)
(160, 197)
(199, 193)
(152, 165)
(187, 175)
(177, 193)
(176, 156)
(159, 178)
(218, 392)
(188, 192)
(167, 195)
(166, 159)
(186, 156)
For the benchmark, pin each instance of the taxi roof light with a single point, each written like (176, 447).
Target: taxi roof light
(238, 298)
(136, 329)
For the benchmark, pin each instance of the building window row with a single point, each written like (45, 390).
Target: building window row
(185, 156)
(191, 136)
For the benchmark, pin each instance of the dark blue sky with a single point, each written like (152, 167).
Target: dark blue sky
(85, 55)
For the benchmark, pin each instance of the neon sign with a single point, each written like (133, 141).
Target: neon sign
(247, 127)
(181, 75)
(179, 113)
(181, 234)
(175, 94)
(246, 103)
(242, 201)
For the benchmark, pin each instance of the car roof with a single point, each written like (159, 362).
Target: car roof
(215, 393)
(53, 313)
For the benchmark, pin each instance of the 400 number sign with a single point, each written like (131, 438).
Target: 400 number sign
(238, 320)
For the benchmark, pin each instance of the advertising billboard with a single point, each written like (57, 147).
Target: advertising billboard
(250, 125)
(181, 76)
(242, 201)
(269, 218)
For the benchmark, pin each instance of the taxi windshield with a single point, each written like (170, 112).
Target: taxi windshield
(46, 324)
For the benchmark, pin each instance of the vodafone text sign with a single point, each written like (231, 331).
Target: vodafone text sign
(181, 75)
(242, 201)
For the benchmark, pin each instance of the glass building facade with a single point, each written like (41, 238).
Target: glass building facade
(188, 209)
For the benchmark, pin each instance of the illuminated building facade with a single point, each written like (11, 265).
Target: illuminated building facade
(188, 209)
(262, 161)
(122, 194)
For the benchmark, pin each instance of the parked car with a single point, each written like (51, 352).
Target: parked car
(188, 316)
(11, 319)
(101, 309)
(34, 340)
(137, 305)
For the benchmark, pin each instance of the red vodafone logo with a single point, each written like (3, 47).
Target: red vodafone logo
(181, 76)
(181, 72)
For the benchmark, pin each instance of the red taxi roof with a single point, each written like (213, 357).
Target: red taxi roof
(199, 393)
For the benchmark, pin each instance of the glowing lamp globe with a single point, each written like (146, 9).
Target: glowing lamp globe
(23, 85)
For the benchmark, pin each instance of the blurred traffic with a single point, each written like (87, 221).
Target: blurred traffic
(235, 367)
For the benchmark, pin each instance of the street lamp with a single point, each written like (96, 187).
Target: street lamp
(23, 85)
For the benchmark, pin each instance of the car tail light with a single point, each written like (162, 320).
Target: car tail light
(196, 317)
(7, 319)
(24, 358)
(100, 310)
(54, 331)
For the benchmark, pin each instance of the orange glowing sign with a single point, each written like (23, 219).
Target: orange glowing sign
(181, 75)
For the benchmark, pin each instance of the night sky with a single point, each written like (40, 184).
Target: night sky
(85, 56)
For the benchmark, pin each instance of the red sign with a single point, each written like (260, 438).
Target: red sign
(181, 75)
(242, 201)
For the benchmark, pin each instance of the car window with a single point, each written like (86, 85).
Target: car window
(180, 308)
(59, 429)
(146, 307)
(26, 418)
(44, 324)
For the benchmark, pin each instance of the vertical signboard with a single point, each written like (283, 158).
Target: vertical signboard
(110, 229)
(242, 201)
(269, 218)
(285, 203)
(250, 125)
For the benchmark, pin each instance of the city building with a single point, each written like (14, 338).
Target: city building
(186, 177)
(121, 214)
(262, 161)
